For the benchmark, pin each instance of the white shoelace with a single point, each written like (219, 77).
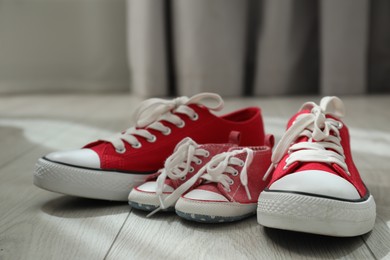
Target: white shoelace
(316, 127)
(177, 166)
(215, 168)
(223, 162)
(150, 112)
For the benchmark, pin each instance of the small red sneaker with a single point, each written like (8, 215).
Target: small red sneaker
(315, 186)
(233, 182)
(162, 191)
(109, 168)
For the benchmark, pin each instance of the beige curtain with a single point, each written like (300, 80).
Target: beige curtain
(182, 47)
(63, 46)
(268, 47)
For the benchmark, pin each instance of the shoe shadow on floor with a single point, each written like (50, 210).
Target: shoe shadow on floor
(74, 207)
(215, 227)
(311, 245)
(170, 217)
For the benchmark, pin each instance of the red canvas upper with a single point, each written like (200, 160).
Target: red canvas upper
(209, 128)
(354, 176)
(213, 149)
(255, 172)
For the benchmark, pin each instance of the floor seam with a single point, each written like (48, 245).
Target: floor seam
(117, 235)
(369, 249)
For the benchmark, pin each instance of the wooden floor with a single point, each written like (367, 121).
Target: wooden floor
(37, 224)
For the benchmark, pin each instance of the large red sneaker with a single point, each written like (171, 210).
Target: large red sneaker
(233, 182)
(315, 186)
(163, 190)
(109, 168)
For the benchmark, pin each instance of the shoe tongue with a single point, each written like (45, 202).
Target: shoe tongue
(308, 165)
(213, 187)
(241, 155)
(171, 183)
(235, 148)
(291, 121)
(203, 108)
(213, 149)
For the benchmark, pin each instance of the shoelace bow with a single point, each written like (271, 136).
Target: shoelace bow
(150, 112)
(222, 163)
(215, 168)
(176, 167)
(316, 127)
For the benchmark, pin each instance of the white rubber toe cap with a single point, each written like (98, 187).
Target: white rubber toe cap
(317, 182)
(198, 194)
(151, 186)
(82, 157)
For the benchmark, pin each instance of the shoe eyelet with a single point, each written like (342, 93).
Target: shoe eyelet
(231, 182)
(235, 173)
(120, 150)
(228, 190)
(198, 162)
(137, 145)
(152, 140)
(191, 169)
(241, 164)
(339, 125)
(183, 178)
(167, 132)
(195, 117)
(181, 125)
(207, 154)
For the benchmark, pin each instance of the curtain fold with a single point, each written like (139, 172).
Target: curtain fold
(209, 38)
(147, 47)
(344, 46)
(182, 47)
(287, 40)
(379, 46)
(278, 48)
(63, 46)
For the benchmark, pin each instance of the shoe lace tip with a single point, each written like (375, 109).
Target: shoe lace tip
(269, 171)
(153, 212)
(248, 193)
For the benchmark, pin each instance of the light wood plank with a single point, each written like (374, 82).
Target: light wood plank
(36, 224)
(379, 239)
(166, 236)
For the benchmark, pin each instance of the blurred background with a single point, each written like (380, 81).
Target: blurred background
(182, 47)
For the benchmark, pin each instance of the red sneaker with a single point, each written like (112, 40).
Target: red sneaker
(233, 184)
(315, 186)
(163, 190)
(109, 168)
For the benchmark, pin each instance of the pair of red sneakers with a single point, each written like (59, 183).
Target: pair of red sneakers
(219, 167)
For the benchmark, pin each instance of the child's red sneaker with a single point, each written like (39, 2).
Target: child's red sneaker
(233, 182)
(176, 177)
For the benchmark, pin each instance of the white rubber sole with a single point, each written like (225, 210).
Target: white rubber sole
(147, 201)
(213, 212)
(87, 183)
(317, 215)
